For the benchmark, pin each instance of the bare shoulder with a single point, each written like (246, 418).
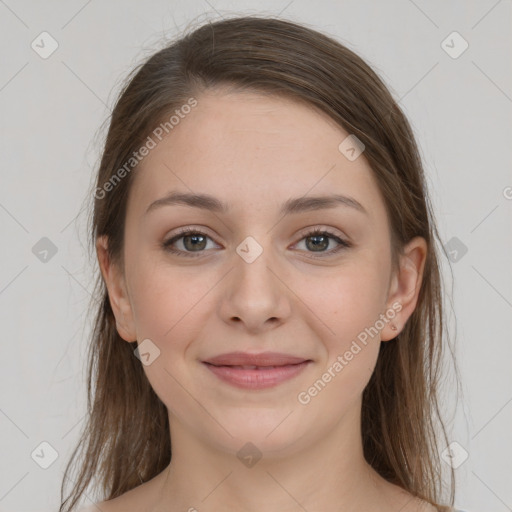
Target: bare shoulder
(139, 499)
(417, 505)
(103, 506)
(406, 502)
(414, 504)
(135, 500)
(96, 507)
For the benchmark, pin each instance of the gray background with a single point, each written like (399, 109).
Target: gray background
(51, 112)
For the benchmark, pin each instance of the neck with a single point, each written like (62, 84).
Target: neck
(329, 474)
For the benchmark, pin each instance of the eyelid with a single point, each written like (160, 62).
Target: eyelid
(321, 228)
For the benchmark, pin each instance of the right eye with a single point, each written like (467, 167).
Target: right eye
(192, 241)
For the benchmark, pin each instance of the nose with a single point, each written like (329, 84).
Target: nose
(255, 296)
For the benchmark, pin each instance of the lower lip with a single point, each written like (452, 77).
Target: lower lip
(257, 378)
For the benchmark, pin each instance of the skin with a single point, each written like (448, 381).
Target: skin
(233, 146)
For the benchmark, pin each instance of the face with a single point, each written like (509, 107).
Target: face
(255, 277)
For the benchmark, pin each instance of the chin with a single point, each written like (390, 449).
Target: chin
(273, 433)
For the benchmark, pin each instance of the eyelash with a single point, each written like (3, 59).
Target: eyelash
(167, 245)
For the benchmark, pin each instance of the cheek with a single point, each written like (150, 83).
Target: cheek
(346, 301)
(346, 309)
(171, 308)
(168, 301)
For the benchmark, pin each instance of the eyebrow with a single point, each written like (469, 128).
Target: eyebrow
(291, 206)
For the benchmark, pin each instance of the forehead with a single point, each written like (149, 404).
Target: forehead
(254, 149)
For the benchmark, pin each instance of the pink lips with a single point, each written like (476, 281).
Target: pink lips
(256, 371)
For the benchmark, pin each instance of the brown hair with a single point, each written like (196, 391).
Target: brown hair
(126, 439)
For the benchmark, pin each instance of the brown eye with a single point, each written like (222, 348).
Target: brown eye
(318, 241)
(191, 240)
(194, 242)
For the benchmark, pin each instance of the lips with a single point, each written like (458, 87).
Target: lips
(252, 361)
(256, 371)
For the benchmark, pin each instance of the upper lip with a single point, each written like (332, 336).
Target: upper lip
(261, 359)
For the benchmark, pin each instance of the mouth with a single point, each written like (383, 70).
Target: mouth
(256, 371)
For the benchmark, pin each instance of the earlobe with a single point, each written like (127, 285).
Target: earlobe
(406, 285)
(116, 287)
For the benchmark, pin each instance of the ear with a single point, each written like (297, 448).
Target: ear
(117, 292)
(405, 286)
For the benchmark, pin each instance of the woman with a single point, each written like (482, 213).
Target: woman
(270, 307)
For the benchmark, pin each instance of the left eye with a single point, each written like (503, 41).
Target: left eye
(320, 239)
(194, 241)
